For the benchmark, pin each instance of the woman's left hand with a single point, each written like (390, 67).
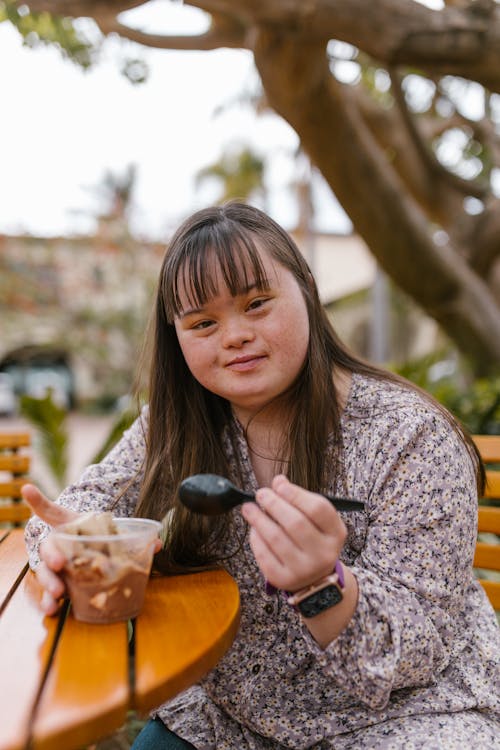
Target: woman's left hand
(296, 535)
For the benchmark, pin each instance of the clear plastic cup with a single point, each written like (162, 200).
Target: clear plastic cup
(106, 574)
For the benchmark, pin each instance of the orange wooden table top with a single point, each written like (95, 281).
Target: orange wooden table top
(66, 684)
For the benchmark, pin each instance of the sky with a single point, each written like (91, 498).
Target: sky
(63, 129)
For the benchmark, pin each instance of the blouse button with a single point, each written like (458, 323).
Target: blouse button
(256, 668)
(269, 609)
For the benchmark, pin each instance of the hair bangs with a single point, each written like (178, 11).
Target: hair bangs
(213, 255)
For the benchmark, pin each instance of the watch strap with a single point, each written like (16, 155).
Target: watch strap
(334, 579)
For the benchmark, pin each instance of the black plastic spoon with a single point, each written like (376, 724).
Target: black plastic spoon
(212, 495)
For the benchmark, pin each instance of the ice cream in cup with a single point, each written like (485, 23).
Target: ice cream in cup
(108, 562)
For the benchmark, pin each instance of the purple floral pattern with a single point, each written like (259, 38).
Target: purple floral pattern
(417, 666)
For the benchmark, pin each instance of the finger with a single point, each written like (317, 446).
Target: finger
(273, 569)
(51, 583)
(285, 564)
(51, 555)
(44, 508)
(49, 605)
(273, 535)
(314, 506)
(282, 515)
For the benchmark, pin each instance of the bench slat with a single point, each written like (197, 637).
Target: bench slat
(489, 519)
(492, 484)
(492, 589)
(487, 556)
(14, 463)
(12, 487)
(14, 440)
(90, 683)
(489, 447)
(13, 560)
(25, 640)
(15, 512)
(14, 467)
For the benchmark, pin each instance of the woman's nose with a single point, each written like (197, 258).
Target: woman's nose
(236, 332)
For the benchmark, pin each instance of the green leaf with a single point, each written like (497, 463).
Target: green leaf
(49, 420)
(44, 28)
(122, 422)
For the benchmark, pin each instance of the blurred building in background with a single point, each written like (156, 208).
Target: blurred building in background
(73, 313)
(73, 310)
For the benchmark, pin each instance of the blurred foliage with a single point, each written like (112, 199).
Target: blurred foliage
(80, 42)
(135, 70)
(50, 423)
(44, 28)
(49, 420)
(474, 401)
(121, 423)
(239, 171)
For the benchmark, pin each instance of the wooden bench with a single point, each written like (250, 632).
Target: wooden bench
(14, 467)
(487, 557)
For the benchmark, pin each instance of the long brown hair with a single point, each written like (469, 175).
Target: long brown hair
(186, 421)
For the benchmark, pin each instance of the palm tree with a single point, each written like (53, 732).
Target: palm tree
(240, 172)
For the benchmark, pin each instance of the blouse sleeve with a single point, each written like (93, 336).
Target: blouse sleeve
(415, 565)
(100, 485)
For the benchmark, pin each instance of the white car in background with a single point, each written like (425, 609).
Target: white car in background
(39, 382)
(8, 402)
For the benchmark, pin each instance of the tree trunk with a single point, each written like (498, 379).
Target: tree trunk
(300, 87)
(379, 160)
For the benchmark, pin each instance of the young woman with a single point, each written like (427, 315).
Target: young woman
(394, 647)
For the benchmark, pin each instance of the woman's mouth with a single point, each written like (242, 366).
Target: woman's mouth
(247, 362)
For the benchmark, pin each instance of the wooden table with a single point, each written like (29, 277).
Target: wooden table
(65, 684)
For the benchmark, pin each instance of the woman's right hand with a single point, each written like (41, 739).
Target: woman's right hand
(52, 559)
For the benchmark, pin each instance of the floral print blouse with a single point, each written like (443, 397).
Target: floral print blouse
(422, 649)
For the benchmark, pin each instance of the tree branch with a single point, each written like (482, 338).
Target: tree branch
(484, 242)
(220, 34)
(389, 131)
(462, 41)
(83, 8)
(440, 201)
(384, 180)
(466, 187)
(300, 87)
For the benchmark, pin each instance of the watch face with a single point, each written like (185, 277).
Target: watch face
(321, 600)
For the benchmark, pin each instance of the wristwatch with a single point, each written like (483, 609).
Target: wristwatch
(321, 595)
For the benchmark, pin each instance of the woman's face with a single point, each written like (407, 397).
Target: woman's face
(247, 348)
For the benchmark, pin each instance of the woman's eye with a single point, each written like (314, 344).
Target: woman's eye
(201, 325)
(256, 303)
